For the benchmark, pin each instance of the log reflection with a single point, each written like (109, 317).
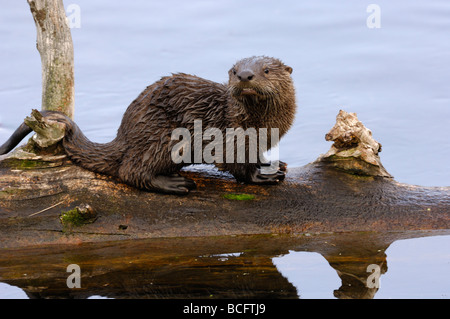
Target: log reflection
(222, 267)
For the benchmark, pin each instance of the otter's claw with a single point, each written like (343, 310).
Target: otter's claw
(282, 166)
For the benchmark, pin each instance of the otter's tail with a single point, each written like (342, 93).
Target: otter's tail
(102, 158)
(18, 135)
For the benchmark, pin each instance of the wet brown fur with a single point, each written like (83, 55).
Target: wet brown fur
(140, 155)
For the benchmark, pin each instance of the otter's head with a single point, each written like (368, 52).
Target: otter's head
(259, 78)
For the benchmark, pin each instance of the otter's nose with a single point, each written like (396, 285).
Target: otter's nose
(245, 76)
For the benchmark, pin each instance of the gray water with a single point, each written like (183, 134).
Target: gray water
(394, 77)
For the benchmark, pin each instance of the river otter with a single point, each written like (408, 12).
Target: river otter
(259, 94)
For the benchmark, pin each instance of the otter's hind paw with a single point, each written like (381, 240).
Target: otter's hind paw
(172, 184)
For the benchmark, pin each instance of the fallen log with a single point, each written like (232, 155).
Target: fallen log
(47, 199)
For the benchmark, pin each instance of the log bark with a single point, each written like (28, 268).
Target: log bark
(54, 43)
(35, 194)
(46, 199)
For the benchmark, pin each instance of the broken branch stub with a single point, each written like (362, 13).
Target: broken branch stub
(354, 149)
(48, 132)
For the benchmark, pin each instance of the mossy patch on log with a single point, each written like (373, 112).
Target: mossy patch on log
(239, 196)
(28, 164)
(78, 216)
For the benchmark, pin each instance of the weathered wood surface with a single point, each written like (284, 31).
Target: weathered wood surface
(313, 198)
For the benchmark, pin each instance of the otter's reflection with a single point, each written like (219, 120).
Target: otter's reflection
(224, 267)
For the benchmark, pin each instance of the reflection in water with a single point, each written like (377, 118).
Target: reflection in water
(303, 269)
(425, 275)
(11, 292)
(347, 278)
(320, 266)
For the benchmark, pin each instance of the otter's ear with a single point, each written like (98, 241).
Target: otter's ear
(289, 69)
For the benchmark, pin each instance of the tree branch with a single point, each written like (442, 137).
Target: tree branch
(54, 43)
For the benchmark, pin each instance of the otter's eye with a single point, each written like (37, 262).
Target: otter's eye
(234, 71)
(266, 71)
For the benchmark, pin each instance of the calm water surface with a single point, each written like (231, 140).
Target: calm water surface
(395, 78)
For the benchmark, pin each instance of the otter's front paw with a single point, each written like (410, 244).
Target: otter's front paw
(259, 178)
(282, 166)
